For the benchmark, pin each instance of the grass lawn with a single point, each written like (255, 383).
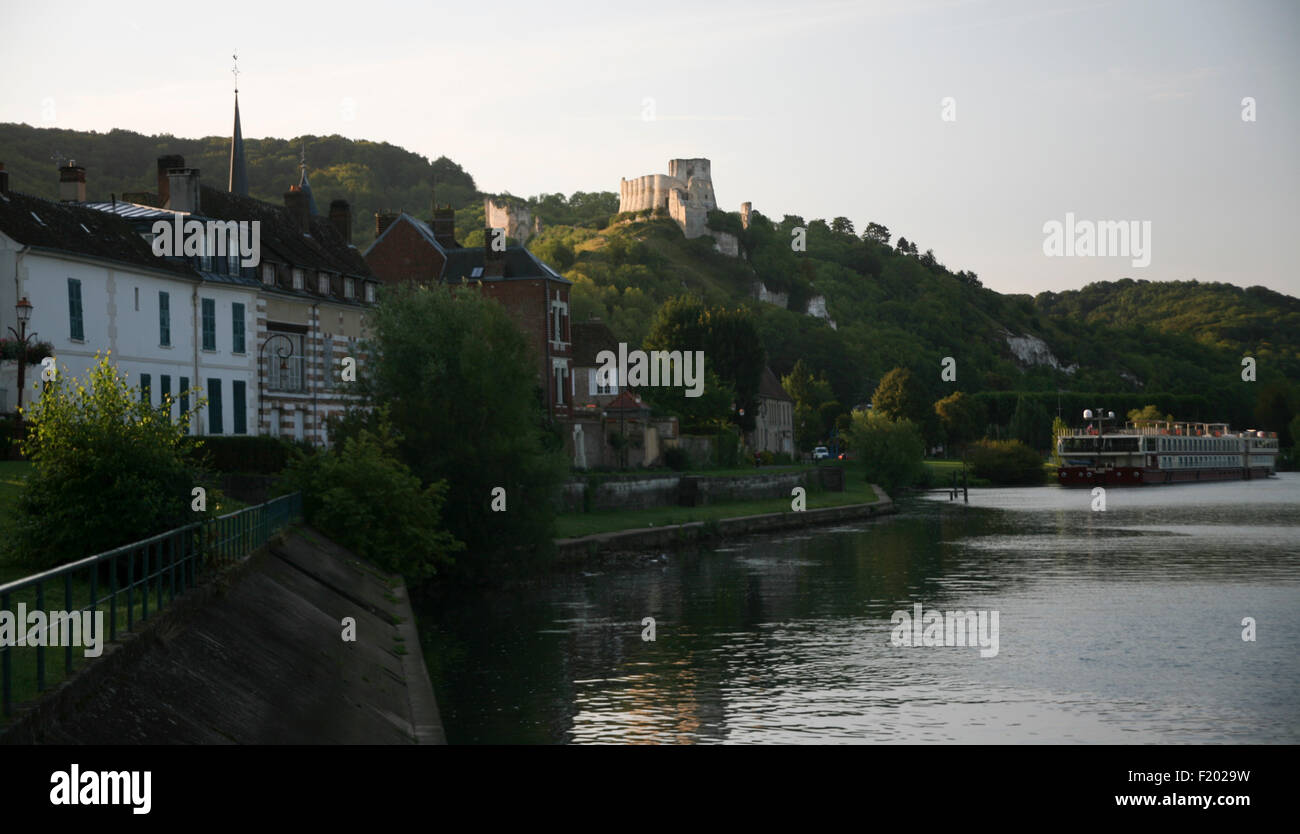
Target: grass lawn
(718, 473)
(573, 525)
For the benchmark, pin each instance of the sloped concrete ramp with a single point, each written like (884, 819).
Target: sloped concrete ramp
(257, 657)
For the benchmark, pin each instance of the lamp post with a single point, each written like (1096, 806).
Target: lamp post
(285, 353)
(24, 310)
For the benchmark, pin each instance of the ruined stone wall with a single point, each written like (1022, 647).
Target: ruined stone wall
(648, 192)
(517, 220)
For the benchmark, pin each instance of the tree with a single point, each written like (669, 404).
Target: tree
(810, 395)
(903, 246)
(876, 233)
(842, 226)
(891, 451)
(730, 341)
(901, 397)
(361, 496)
(963, 418)
(109, 468)
(1030, 423)
(1059, 429)
(1006, 462)
(461, 387)
(1149, 413)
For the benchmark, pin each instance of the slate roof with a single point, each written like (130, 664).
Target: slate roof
(589, 339)
(80, 230)
(520, 264)
(770, 388)
(280, 238)
(424, 229)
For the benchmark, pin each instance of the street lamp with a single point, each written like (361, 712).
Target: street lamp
(285, 353)
(24, 310)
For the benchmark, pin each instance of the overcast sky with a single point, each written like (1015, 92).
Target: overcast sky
(1112, 111)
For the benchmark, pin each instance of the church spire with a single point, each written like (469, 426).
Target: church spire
(238, 166)
(303, 185)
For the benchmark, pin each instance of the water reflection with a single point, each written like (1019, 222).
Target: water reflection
(1122, 626)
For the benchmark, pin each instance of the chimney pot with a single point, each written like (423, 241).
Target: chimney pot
(383, 219)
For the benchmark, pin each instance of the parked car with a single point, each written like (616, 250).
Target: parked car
(821, 453)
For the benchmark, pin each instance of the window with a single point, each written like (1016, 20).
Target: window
(597, 384)
(75, 323)
(137, 299)
(214, 406)
(349, 288)
(285, 362)
(323, 284)
(185, 394)
(297, 279)
(237, 397)
(164, 320)
(268, 273)
(370, 292)
(165, 391)
(145, 383)
(237, 327)
(209, 324)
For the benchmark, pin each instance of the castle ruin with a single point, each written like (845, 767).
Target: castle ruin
(515, 218)
(685, 193)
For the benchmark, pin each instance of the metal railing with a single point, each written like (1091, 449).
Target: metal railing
(123, 581)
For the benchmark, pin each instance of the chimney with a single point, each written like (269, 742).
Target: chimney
(4, 179)
(295, 200)
(183, 190)
(341, 219)
(72, 183)
(165, 164)
(383, 219)
(494, 260)
(444, 227)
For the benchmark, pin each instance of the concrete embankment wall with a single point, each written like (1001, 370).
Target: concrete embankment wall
(679, 535)
(638, 492)
(256, 656)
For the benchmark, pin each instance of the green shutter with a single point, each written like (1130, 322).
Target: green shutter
(145, 383)
(184, 391)
(214, 406)
(237, 395)
(209, 324)
(237, 321)
(164, 320)
(165, 391)
(74, 310)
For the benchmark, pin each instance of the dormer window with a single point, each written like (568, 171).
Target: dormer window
(323, 284)
(370, 292)
(297, 279)
(268, 273)
(349, 288)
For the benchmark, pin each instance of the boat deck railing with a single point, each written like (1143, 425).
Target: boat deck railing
(1168, 429)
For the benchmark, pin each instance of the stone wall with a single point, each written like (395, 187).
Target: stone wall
(516, 219)
(641, 491)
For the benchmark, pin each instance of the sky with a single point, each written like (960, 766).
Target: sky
(965, 126)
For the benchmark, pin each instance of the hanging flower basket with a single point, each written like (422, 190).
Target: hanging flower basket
(11, 350)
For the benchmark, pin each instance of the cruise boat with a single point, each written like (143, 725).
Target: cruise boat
(1162, 452)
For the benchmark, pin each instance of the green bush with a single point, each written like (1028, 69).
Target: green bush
(365, 499)
(1006, 462)
(259, 454)
(782, 458)
(891, 451)
(108, 469)
(726, 449)
(766, 458)
(677, 458)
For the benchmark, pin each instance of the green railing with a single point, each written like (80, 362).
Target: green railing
(129, 583)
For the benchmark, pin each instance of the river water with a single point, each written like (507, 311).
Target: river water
(1120, 626)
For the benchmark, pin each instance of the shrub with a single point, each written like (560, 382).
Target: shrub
(260, 454)
(365, 499)
(726, 449)
(891, 451)
(1006, 462)
(109, 469)
(766, 458)
(782, 458)
(677, 458)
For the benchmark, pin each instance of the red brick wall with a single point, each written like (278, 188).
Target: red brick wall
(405, 255)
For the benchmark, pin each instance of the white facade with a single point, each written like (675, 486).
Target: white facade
(121, 313)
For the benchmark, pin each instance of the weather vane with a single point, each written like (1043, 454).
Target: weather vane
(235, 70)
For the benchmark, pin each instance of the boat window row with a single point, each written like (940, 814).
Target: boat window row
(1199, 444)
(1198, 461)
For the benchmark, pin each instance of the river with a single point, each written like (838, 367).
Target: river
(1115, 626)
